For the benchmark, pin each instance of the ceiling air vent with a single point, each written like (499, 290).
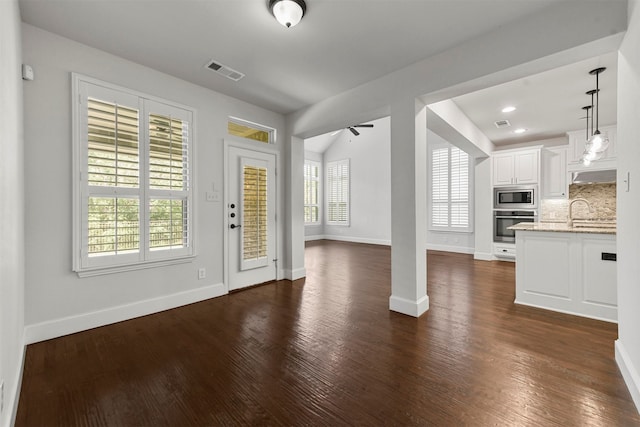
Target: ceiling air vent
(223, 70)
(502, 124)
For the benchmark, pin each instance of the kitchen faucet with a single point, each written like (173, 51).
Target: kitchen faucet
(570, 217)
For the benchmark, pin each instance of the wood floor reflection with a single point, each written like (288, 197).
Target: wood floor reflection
(327, 351)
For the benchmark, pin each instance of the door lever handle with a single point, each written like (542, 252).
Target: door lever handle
(232, 226)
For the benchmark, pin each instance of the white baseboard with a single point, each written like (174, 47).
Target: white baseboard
(359, 240)
(409, 307)
(295, 274)
(483, 256)
(82, 322)
(449, 248)
(310, 238)
(629, 372)
(559, 310)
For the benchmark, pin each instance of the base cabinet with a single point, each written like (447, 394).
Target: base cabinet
(572, 273)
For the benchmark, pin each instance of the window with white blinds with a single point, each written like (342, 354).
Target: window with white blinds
(450, 189)
(311, 192)
(337, 190)
(133, 194)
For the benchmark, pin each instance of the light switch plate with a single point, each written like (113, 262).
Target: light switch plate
(213, 196)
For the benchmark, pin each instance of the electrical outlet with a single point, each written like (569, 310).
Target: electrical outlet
(202, 273)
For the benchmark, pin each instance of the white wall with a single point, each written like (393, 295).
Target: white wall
(446, 240)
(11, 208)
(370, 191)
(57, 301)
(628, 205)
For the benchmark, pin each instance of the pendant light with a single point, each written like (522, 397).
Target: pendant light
(288, 12)
(586, 157)
(590, 155)
(599, 142)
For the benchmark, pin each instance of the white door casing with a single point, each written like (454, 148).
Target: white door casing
(251, 217)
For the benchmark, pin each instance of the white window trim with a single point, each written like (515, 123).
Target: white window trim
(78, 156)
(449, 229)
(320, 188)
(327, 188)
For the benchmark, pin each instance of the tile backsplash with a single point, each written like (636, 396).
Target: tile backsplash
(602, 198)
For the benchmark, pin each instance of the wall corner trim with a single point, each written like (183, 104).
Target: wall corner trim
(629, 372)
(82, 322)
(13, 399)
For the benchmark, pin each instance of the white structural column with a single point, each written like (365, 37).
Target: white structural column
(294, 205)
(408, 208)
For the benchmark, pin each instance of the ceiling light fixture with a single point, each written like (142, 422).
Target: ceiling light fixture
(520, 130)
(288, 12)
(598, 143)
(508, 109)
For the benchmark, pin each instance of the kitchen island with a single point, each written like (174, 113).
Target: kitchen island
(570, 269)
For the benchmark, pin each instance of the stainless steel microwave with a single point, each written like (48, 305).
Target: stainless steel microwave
(520, 197)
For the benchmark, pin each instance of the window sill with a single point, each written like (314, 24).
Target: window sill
(100, 271)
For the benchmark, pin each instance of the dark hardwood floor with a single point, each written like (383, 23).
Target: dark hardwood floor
(327, 351)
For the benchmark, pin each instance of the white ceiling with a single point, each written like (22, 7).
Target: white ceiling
(337, 46)
(548, 104)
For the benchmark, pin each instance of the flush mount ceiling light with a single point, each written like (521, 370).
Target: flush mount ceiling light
(508, 109)
(520, 130)
(288, 12)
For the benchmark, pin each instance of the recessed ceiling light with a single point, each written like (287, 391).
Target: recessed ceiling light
(508, 109)
(520, 130)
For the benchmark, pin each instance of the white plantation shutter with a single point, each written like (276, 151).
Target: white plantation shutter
(459, 189)
(133, 195)
(450, 189)
(440, 187)
(169, 224)
(338, 192)
(311, 192)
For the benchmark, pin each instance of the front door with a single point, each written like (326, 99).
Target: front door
(251, 210)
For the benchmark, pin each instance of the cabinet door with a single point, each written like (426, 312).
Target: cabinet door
(526, 167)
(503, 170)
(554, 174)
(598, 276)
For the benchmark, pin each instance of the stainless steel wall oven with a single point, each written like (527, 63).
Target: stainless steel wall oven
(504, 219)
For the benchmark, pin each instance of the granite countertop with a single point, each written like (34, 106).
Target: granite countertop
(604, 227)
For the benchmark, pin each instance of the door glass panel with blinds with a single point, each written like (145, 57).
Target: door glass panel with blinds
(450, 189)
(337, 190)
(254, 199)
(133, 198)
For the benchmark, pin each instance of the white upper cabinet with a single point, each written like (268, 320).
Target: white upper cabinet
(577, 140)
(516, 167)
(554, 173)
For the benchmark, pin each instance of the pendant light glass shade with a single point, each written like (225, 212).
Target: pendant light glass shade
(288, 12)
(598, 143)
